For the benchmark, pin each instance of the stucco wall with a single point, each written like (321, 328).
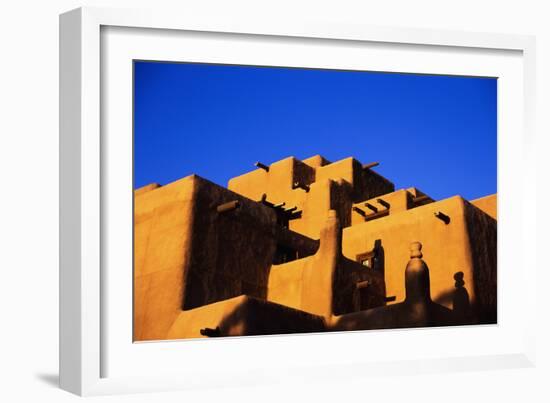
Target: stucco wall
(446, 247)
(162, 242)
(488, 204)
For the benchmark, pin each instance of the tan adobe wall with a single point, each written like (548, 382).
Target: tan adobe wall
(487, 204)
(329, 186)
(163, 219)
(232, 317)
(341, 249)
(277, 183)
(447, 248)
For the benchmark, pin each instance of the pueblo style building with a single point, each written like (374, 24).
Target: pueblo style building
(308, 246)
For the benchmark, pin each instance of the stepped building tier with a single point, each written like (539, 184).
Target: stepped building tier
(308, 246)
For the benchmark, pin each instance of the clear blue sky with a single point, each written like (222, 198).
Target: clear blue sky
(436, 133)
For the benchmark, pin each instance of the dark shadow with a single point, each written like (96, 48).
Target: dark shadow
(445, 298)
(482, 230)
(458, 299)
(359, 284)
(254, 317)
(461, 300)
(373, 259)
(49, 379)
(379, 261)
(244, 239)
(368, 299)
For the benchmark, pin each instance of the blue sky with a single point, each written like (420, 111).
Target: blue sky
(437, 133)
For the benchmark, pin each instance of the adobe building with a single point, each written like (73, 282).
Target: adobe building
(308, 246)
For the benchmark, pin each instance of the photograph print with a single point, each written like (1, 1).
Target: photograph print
(277, 200)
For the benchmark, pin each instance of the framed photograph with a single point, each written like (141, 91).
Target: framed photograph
(250, 200)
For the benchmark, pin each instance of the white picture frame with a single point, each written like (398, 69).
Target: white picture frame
(89, 335)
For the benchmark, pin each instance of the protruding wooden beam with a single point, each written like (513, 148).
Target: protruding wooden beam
(371, 165)
(300, 185)
(362, 284)
(383, 202)
(229, 206)
(371, 207)
(374, 216)
(264, 201)
(295, 214)
(421, 199)
(443, 217)
(262, 166)
(359, 211)
(209, 332)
